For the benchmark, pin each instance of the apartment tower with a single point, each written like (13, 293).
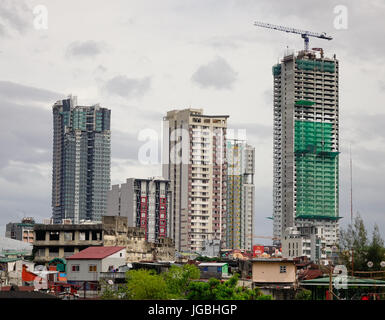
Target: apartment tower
(147, 205)
(240, 194)
(81, 161)
(306, 145)
(194, 160)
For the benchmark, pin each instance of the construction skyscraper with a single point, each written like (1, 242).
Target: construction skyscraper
(306, 145)
(81, 161)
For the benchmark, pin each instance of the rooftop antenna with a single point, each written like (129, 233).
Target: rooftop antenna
(351, 201)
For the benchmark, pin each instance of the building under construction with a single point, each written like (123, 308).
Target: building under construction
(306, 144)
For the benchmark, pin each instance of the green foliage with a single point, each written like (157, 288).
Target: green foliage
(356, 238)
(303, 295)
(144, 285)
(148, 285)
(177, 283)
(227, 290)
(178, 279)
(108, 291)
(206, 259)
(376, 250)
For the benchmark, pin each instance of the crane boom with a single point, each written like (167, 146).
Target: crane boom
(304, 34)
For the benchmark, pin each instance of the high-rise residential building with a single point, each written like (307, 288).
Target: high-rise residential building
(81, 161)
(22, 231)
(240, 194)
(147, 203)
(194, 160)
(306, 145)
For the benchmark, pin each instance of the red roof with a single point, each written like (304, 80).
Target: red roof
(21, 288)
(95, 253)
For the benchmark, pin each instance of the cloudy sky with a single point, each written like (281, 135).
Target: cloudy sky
(141, 58)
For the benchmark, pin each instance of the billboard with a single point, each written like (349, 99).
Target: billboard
(258, 250)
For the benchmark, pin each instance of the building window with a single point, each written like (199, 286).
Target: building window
(69, 236)
(92, 268)
(282, 269)
(75, 268)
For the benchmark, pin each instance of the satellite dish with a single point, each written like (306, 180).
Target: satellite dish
(382, 264)
(110, 282)
(40, 268)
(370, 264)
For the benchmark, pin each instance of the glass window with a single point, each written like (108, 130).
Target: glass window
(92, 268)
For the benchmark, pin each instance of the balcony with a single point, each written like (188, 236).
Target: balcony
(112, 275)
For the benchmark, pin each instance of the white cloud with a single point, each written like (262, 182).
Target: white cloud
(127, 87)
(216, 74)
(85, 49)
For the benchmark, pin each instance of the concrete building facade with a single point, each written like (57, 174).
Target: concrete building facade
(147, 203)
(311, 245)
(194, 160)
(306, 144)
(81, 161)
(22, 231)
(64, 240)
(240, 195)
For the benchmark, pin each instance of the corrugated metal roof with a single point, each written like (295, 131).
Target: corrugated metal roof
(350, 281)
(213, 264)
(95, 253)
(12, 244)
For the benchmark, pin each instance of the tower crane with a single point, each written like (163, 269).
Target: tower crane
(304, 34)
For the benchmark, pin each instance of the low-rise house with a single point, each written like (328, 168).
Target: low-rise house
(11, 270)
(275, 276)
(213, 270)
(88, 264)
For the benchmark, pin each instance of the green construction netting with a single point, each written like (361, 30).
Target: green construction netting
(314, 65)
(276, 69)
(316, 170)
(304, 103)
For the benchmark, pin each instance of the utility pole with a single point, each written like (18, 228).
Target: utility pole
(330, 284)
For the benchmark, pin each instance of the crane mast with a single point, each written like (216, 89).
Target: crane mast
(304, 34)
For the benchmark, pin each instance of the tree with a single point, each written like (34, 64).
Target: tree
(376, 250)
(178, 279)
(355, 239)
(303, 294)
(227, 290)
(107, 291)
(144, 285)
